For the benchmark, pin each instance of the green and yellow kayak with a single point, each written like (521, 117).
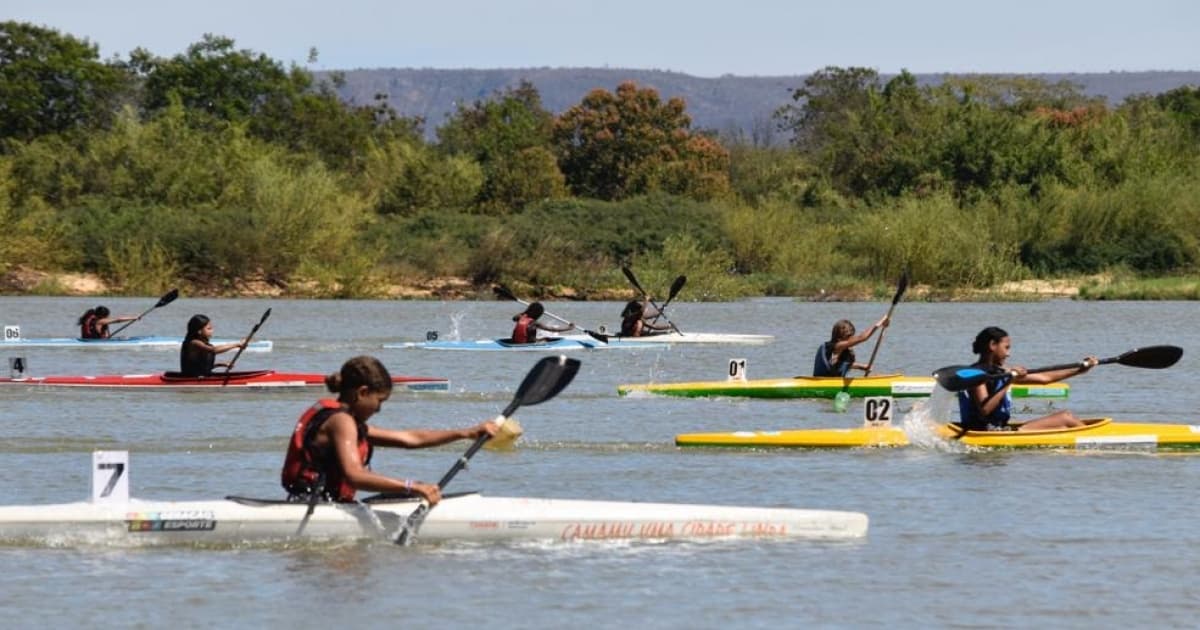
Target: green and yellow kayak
(894, 385)
(1099, 433)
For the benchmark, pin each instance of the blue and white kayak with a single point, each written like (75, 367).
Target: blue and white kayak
(550, 344)
(143, 342)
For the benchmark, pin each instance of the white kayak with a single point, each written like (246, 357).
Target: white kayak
(458, 518)
(118, 343)
(685, 338)
(550, 344)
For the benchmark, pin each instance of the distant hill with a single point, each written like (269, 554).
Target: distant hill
(724, 104)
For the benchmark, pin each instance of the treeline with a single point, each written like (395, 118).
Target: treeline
(219, 165)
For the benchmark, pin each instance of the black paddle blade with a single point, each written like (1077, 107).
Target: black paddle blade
(633, 279)
(167, 298)
(547, 378)
(676, 286)
(503, 293)
(901, 287)
(956, 378)
(1152, 357)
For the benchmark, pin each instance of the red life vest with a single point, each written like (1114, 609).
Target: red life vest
(87, 329)
(306, 469)
(524, 331)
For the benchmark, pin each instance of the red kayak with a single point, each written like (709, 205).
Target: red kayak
(262, 379)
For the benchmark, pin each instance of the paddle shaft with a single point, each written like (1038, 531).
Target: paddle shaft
(901, 286)
(229, 368)
(675, 287)
(166, 299)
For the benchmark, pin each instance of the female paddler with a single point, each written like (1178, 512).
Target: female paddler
(835, 357)
(635, 322)
(197, 356)
(93, 324)
(329, 453)
(526, 324)
(988, 405)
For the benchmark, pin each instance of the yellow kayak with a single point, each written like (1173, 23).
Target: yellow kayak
(1098, 433)
(894, 385)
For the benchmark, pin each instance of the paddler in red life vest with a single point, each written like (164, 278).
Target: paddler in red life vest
(638, 321)
(331, 446)
(93, 324)
(527, 324)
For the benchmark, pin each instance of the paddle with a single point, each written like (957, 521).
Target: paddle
(959, 377)
(901, 286)
(166, 299)
(547, 378)
(503, 292)
(229, 368)
(637, 285)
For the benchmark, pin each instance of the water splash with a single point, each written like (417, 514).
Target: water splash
(456, 319)
(922, 421)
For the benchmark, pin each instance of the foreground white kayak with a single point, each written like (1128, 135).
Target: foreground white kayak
(466, 517)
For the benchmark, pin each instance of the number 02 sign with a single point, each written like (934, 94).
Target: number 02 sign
(877, 411)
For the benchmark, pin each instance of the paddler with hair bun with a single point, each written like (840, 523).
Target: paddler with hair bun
(329, 454)
(527, 324)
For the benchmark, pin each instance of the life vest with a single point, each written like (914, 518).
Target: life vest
(629, 325)
(524, 331)
(306, 469)
(969, 415)
(87, 330)
(822, 366)
(195, 361)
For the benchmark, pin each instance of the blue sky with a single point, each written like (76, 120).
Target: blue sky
(700, 37)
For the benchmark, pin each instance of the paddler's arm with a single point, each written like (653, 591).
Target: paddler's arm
(987, 406)
(1043, 378)
(343, 434)
(424, 438)
(549, 328)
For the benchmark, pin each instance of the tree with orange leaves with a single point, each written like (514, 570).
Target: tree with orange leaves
(613, 146)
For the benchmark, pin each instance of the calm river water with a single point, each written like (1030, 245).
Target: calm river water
(979, 539)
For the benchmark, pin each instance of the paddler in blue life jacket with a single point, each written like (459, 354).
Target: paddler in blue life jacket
(835, 357)
(527, 324)
(197, 357)
(988, 406)
(329, 453)
(93, 324)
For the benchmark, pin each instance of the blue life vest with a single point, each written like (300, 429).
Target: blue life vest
(822, 366)
(969, 416)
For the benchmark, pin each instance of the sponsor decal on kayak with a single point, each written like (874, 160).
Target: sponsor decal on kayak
(175, 521)
(1050, 392)
(912, 387)
(660, 529)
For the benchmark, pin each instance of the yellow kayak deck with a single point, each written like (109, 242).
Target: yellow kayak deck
(1097, 433)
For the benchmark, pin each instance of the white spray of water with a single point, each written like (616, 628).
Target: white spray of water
(922, 421)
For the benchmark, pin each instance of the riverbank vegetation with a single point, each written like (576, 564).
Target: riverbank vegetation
(220, 166)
